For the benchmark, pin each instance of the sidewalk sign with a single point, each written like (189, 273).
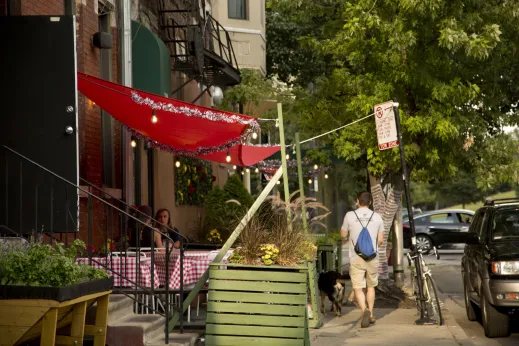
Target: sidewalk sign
(386, 125)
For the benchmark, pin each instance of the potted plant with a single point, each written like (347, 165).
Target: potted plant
(262, 294)
(43, 289)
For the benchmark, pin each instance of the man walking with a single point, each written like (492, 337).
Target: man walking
(365, 230)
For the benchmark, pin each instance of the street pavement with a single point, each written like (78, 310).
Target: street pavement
(447, 274)
(396, 326)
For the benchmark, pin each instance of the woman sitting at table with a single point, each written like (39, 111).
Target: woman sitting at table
(141, 235)
(163, 216)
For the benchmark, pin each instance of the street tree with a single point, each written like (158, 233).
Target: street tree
(450, 64)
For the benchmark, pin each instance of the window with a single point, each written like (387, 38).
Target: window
(505, 225)
(238, 9)
(442, 218)
(464, 217)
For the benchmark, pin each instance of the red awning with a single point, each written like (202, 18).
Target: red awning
(180, 127)
(242, 155)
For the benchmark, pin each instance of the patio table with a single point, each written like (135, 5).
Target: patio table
(195, 264)
(126, 266)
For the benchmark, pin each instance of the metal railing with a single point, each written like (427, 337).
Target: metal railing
(101, 214)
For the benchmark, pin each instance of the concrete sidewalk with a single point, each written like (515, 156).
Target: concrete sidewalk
(393, 327)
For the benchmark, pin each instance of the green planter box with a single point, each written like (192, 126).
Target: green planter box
(257, 305)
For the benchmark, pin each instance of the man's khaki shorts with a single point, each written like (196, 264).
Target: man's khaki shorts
(364, 274)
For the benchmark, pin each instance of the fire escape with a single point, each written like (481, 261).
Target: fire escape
(199, 46)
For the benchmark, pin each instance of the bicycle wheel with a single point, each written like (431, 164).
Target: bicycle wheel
(433, 302)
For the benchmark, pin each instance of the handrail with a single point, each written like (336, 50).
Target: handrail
(133, 209)
(82, 190)
(122, 218)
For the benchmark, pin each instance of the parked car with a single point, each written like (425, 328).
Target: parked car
(490, 266)
(439, 228)
(416, 211)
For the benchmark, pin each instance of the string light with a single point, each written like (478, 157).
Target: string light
(309, 181)
(234, 167)
(228, 157)
(133, 143)
(278, 182)
(316, 167)
(288, 157)
(177, 164)
(326, 176)
(256, 170)
(242, 172)
(247, 170)
(277, 123)
(154, 117)
(254, 135)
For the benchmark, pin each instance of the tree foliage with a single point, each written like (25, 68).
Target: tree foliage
(451, 65)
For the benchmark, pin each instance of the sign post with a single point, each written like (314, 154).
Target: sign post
(389, 134)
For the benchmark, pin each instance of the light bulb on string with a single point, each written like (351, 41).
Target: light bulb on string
(154, 117)
(326, 176)
(234, 167)
(242, 172)
(316, 167)
(256, 170)
(228, 157)
(294, 151)
(133, 143)
(254, 135)
(309, 181)
(177, 164)
(288, 157)
(277, 123)
(247, 170)
(278, 182)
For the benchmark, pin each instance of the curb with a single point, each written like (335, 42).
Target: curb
(450, 322)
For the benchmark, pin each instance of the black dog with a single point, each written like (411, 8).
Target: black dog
(329, 286)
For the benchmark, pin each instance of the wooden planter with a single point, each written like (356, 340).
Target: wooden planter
(258, 305)
(23, 319)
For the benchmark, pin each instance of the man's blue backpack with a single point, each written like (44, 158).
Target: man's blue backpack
(364, 247)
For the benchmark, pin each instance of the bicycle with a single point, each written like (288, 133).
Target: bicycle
(432, 302)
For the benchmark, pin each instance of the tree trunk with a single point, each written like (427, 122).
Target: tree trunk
(385, 207)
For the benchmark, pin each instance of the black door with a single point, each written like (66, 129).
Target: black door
(39, 119)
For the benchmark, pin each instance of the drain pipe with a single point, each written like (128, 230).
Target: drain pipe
(126, 79)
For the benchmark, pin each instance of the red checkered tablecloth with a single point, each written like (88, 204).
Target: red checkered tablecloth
(126, 266)
(195, 264)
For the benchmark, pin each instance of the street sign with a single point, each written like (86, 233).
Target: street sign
(386, 126)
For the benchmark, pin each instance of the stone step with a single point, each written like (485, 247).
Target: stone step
(135, 330)
(120, 306)
(176, 339)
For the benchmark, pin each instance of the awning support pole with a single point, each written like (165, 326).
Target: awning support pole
(301, 184)
(284, 162)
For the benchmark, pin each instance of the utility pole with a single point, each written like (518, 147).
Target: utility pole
(398, 249)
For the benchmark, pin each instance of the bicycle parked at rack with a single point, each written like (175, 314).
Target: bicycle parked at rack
(432, 302)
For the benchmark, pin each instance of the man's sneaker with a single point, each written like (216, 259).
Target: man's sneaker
(365, 322)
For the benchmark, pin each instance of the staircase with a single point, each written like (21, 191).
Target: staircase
(126, 328)
(199, 46)
(102, 217)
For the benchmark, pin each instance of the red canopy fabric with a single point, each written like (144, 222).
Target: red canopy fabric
(180, 127)
(242, 155)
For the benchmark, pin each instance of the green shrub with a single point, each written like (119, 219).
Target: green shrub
(43, 265)
(225, 207)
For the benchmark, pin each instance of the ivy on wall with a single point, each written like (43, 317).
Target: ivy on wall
(193, 181)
